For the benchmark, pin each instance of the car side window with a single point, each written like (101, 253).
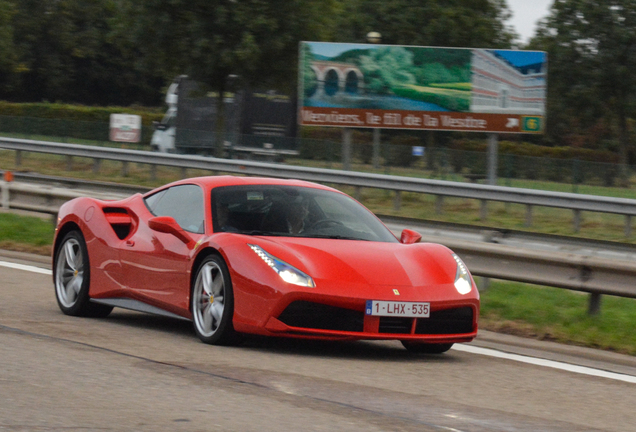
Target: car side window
(184, 203)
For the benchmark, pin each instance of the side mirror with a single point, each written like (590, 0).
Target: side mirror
(409, 237)
(167, 224)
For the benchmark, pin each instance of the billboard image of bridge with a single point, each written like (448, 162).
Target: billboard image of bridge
(406, 87)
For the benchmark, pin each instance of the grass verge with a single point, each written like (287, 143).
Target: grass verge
(26, 233)
(559, 315)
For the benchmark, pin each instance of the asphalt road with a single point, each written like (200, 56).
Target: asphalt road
(132, 372)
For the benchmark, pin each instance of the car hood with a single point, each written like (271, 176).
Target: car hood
(373, 263)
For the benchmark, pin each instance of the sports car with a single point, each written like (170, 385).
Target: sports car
(243, 255)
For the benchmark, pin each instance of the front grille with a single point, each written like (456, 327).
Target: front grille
(318, 316)
(448, 321)
(395, 325)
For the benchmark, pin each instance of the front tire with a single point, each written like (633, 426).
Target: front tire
(72, 278)
(426, 348)
(212, 303)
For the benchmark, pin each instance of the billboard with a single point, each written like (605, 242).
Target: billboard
(408, 87)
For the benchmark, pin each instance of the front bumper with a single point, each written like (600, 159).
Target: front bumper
(447, 323)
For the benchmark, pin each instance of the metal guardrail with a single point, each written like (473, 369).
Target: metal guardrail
(574, 271)
(71, 184)
(44, 198)
(528, 197)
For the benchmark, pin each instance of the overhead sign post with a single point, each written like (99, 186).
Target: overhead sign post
(422, 88)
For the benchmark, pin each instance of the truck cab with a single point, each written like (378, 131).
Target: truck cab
(164, 134)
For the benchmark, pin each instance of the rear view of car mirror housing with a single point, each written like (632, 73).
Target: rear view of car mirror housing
(167, 224)
(409, 237)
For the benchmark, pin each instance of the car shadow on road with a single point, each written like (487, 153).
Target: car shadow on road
(355, 350)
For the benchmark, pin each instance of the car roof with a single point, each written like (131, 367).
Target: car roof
(211, 182)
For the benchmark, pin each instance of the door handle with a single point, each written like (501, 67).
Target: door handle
(130, 243)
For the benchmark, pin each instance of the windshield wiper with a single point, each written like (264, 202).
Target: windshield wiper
(260, 233)
(336, 237)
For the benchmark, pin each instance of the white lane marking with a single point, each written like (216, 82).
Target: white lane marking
(583, 370)
(28, 268)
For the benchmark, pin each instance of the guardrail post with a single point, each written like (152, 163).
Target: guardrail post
(528, 216)
(628, 226)
(489, 237)
(184, 172)
(69, 163)
(439, 204)
(18, 158)
(577, 221)
(493, 149)
(153, 172)
(357, 194)
(575, 175)
(376, 148)
(483, 210)
(594, 307)
(125, 169)
(397, 201)
(484, 283)
(5, 194)
(96, 164)
(346, 149)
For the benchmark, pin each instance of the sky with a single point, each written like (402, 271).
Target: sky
(526, 13)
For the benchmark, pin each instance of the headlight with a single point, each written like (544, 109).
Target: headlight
(463, 283)
(288, 273)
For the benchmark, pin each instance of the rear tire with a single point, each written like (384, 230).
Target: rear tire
(72, 278)
(212, 303)
(426, 348)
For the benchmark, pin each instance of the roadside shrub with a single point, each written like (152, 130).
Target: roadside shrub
(70, 121)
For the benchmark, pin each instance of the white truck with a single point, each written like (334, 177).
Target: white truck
(164, 134)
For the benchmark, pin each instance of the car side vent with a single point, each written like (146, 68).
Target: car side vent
(119, 220)
(111, 210)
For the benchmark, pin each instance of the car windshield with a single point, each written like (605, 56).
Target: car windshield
(273, 210)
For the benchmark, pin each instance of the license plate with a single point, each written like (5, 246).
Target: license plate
(399, 309)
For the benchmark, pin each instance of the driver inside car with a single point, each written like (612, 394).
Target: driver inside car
(296, 216)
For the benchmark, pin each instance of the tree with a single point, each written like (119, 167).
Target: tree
(592, 51)
(448, 23)
(210, 40)
(8, 59)
(73, 51)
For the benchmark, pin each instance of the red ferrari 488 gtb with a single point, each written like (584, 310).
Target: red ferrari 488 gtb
(263, 256)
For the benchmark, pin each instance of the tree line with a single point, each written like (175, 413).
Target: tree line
(591, 80)
(123, 52)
